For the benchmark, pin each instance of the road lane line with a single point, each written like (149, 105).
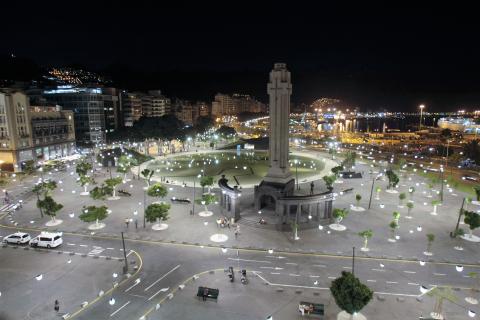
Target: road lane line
(439, 274)
(115, 312)
(71, 244)
(381, 270)
(274, 272)
(294, 275)
(291, 263)
(371, 280)
(392, 282)
(83, 245)
(320, 265)
(332, 278)
(137, 281)
(413, 284)
(166, 274)
(314, 276)
(129, 253)
(246, 260)
(347, 267)
(110, 248)
(154, 295)
(410, 272)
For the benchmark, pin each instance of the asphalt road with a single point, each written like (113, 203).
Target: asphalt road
(165, 266)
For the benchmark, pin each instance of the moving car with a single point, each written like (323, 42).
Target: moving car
(17, 237)
(47, 240)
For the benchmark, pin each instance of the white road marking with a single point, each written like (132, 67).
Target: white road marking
(332, 278)
(166, 274)
(320, 265)
(110, 249)
(161, 290)
(413, 284)
(71, 244)
(294, 275)
(381, 270)
(274, 272)
(115, 312)
(347, 267)
(392, 282)
(409, 271)
(131, 251)
(83, 245)
(137, 281)
(314, 276)
(246, 260)
(439, 274)
(291, 263)
(371, 280)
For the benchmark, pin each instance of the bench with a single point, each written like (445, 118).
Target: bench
(180, 200)
(124, 193)
(347, 190)
(318, 308)
(212, 293)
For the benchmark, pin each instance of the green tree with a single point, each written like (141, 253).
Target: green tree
(93, 213)
(349, 160)
(430, 239)
(113, 183)
(366, 234)
(226, 131)
(358, 197)
(85, 181)
(472, 150)
(100, 193)
(124, 163)
(206, 181)
(83, 168)
(349, 293)
(157, 190)
(472, 219)
(392, 178)
(43, 189)
(402, 196)
(340, 214)
(477, 192)
(409, 207)
(49, 206)
(206, 200)
(147, 175)
(393, 228)
(396, 216)
(411, 191)
(336, 170)
(156, 212)
(378, 190)
(329, 180)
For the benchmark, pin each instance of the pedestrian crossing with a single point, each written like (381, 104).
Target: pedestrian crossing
(7, 208)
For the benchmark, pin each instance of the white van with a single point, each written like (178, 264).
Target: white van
(47, 240)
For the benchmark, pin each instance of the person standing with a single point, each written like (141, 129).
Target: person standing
(127, 222)
(312, 185)
(237, 231)
(57, 306)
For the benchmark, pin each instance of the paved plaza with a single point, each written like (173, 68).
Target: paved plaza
(168, 258)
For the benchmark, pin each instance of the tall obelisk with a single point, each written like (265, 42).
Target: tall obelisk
(279, 89)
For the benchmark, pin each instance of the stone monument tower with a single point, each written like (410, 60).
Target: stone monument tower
(278, 181)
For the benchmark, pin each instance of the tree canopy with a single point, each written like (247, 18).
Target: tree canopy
(49, 206)
(472, 219)
(157, 211)
(93, 213)
(349, 293)
(157, 190)
(83, 168)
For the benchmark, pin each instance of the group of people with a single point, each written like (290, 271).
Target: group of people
(225, 222)
(304, 308)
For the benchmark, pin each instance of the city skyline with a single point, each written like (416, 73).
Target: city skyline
(393, 59)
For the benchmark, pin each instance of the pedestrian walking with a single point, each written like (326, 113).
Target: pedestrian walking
(237, 231)
(136, 223)
(312, 185)
(127, 222)
(191, 212)
(57, 306)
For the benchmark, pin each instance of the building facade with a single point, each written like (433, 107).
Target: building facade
(228, 105)
(154, 104)
(96, 110)
(32, 133)
(132, 107)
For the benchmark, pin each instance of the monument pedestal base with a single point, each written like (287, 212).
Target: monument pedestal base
(268, 193)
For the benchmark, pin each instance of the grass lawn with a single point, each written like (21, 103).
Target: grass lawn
(240, 169)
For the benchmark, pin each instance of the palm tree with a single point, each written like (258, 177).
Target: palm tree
(366, 234)
(393, 228)
(409, 207)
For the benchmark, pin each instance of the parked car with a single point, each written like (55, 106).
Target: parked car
(470, 178)
(47, 240)
(17, 237)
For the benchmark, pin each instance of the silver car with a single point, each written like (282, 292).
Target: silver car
(18, 238)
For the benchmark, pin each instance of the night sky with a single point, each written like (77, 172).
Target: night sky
(375, 58)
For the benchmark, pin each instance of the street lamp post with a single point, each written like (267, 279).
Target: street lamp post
(144, 208)
(421, 115)
(125, 267)
(371, 190)
(296, 172)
